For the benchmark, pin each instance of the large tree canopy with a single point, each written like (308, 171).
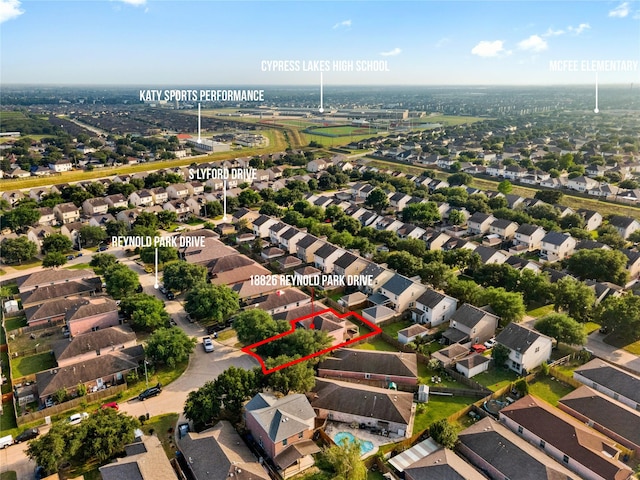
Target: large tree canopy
(599, 264)
(563, 328)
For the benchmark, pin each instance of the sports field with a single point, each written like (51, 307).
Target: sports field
(342, 131)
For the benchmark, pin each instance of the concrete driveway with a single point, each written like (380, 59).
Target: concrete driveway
(618, 356)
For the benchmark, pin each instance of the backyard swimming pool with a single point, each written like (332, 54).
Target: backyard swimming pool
(365, 445)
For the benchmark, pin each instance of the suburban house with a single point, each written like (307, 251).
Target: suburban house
(52, 277)
(401, 292)
(325, 256)
(338, 329)
(95, 374)
(494, 449)
(480, 223)
(144, 460)
(95, 206)
(582, 183)
(280, 301)
(567, 440)
(386, 409)
(160, 195)
(592, 219)
(473, 365)
(378, 313)
(358, 365)
(141, 198)
(93, 344)
(67, 212)
(219, 453)
(505, 229)
(283, 428)
(624, 225)
(557, 246)
(433, 308)
(411, 333)
(379, 276)
(441, 464)
(177, 191)
(609, 417)
(307, 246)
(349, 264)
(181, 209)
(610, 381)
(528, 349)
(48, 293)
(471, 324)
(38, 234)
(529, 236)
(47, 216)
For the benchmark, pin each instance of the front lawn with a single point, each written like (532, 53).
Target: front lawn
(393, 328)
(591, 327)
(78, 266)
(439, 407)
(23, 366)
(549, 390)
(496, 378)
(623, 342)
(163, 427)
(540, 311)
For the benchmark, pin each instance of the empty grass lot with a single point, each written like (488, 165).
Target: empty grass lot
(439, 407)
(23, 366)
(549, 390)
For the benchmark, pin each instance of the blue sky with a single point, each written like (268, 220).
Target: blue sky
(214, 43)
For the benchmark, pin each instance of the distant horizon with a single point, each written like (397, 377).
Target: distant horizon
(372, 85)
(353, 43)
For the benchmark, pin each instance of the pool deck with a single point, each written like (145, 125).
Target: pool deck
(334, 427)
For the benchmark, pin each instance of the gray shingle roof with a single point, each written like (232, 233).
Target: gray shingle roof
(518, 338)
(613, 378)
(431, 298)
(283, 417)
(364, 361)
(397, 284)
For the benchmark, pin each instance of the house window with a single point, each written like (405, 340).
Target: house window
(517, 354)
(520, 429)
(537, 349)
(565, 459)
(542, 444)
(616, 396)
(301, 434)
(284, 442)
(367, 376)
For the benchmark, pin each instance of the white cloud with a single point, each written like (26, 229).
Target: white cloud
(343, 24)
(135, 3)
(488, 49)
(534, 43)
(391, 53)
(554, 33)
(620, 11)
(579, 29)
(442, 42)
(9, 9)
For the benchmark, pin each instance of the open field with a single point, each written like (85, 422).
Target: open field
(277, 143)
(342, 131)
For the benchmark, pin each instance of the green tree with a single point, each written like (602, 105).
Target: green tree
(146, 219)
(404, 263)
(235, 386)
(269, 208)
(509, 306)
(505, 187)
(563, 328)
(50, 450)
(443, 433)
(345, 460)
(497, 275)
(17, 249)
(165, 254)
(575, 298)
(116, 228)
(456, 217)
(183, 276)
(20, 218)
(535, 287)
(622, 315)
(103, 261)
(249, 198)
(423, 214)
(349, 224)
(460, 178)
(599, 264)
(296, 378)
(521, 386)
(549, 196)
(169, 346)
(203, 405)
(215, 302)
(56, 242)
(500, 355)
(145, 312)
(54, 259)
(466, 291)
(377, 199)
(437, 274)
(91, 236)
(254, 325)
(104, 434)
(120, 280)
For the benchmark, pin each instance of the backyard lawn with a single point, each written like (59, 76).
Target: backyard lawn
(23, 366)
(393, 328)
(15, 323)
(549, 390)
(377, 344)
(439, 407)
(496, 378)
(425, 374)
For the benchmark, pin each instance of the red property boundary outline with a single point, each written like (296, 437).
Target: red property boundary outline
(376, 331)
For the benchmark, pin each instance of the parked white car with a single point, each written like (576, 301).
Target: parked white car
(490, 343)
(77, 418)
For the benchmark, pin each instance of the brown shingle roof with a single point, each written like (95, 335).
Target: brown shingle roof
(365, 361)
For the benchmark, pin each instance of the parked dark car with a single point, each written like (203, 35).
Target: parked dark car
(150, 392)
(139, 289)
(103, 248)
(170, 295)
(28, 434)
(216, 327)
(70, 257)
